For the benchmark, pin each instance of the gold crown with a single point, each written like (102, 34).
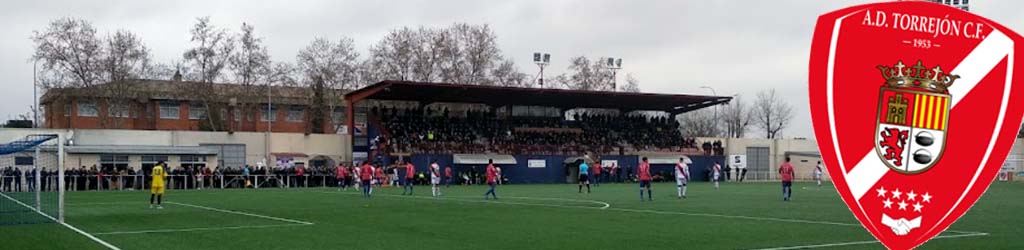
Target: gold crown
(917, 76)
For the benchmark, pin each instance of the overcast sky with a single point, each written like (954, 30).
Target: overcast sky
(736, 47)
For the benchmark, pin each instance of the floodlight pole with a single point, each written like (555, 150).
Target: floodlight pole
(614, 66)
(266, 149)
(35, 96)
(542, 60)
(716, 105)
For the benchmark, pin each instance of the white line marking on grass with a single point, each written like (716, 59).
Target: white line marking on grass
(242, 213)
(605, 205)
(866, 242)
(106, 203)
(79, 231)
(645, 211)
(198, 229)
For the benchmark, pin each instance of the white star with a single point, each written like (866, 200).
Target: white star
(888, 203)
(926, 198)
(911, 195)
(881, 191)
(896, 193)
(903, 205)
(917, 207)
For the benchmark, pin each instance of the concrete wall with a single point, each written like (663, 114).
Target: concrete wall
(804, 166)
(337, 147)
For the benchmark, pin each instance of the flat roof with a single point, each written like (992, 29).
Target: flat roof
(141, 150)
(427, 92)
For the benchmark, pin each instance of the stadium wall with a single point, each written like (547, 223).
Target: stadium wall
(555, 169)
(804, 156)
(334, 146)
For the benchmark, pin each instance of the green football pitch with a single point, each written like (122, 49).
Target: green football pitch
(737, 216)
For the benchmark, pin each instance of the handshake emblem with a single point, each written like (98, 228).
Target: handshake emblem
(901, 226)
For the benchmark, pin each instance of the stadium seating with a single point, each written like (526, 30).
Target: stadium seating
(486, 132)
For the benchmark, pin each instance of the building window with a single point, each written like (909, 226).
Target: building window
(114, 162)
(295, 114)
(237, 113)
(269, 116)
(153, 158)
(67, 109)
(87, 109)
(170, 110)
(338, 116)
(119, 110)
(196, 111)
(24, 161)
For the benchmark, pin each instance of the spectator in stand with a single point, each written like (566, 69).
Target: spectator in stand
(300, 176)
(17, 180)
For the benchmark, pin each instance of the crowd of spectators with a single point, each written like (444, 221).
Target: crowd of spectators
(437, 131)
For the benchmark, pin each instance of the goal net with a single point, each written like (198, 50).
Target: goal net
(32, 185)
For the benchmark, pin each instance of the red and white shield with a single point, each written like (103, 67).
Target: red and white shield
(911, 104)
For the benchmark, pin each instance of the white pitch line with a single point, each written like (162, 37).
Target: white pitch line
(865, 242)
(605, 204)
(242, 213)
(198, 229)
(646, 211)
(79, 231)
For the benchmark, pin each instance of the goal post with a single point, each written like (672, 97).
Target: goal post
(32, 184)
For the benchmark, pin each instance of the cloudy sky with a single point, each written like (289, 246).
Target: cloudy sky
(736, 47)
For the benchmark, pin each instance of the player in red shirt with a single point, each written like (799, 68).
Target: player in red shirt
(597, 172)
(365, 174)
(340, 173)
(491, 174)
(644, 172)
(786, 173)
(410, 173)
(448, 176)
(379, 175)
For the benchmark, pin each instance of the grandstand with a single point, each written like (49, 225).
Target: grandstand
(435, 121)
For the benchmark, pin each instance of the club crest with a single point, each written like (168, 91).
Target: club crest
(914, 111)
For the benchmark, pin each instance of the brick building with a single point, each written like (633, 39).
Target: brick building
(141, 104)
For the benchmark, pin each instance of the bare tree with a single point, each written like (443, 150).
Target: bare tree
(479, 51)
(328, 68)
(71, 56)
(393, 57)
(508, 75)
(125, 59)
(70, 49)
(771, 114)
(251, 66)
(586, 74)
(209, 56)
(737, 116)
(632, 84)
(698, 123)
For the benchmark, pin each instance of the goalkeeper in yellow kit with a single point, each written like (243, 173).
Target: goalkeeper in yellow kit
(157, 188)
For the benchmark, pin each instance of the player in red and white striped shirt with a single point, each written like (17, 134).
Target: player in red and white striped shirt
(435, 178)
(682, 177)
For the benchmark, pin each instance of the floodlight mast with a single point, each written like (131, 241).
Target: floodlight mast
(613, 64)
(542, 60)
